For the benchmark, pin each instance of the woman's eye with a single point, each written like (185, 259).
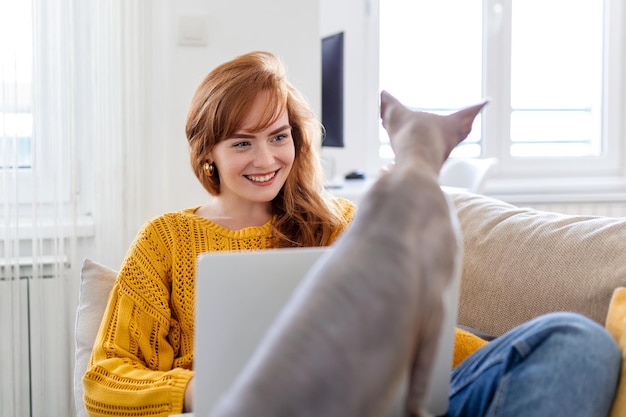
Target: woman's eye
(281, 137)
(242, 144)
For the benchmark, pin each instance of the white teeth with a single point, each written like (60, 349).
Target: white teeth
(262, 178)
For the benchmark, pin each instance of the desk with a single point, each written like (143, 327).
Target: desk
(354, 190)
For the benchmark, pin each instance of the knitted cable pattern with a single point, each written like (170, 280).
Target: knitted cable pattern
(143, 354)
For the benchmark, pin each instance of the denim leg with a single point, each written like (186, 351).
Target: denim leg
(559, 364)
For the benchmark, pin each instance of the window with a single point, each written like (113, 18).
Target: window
(551, 69)
(16, 121)
(36, 107)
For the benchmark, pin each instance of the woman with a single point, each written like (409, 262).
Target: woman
(254, 147)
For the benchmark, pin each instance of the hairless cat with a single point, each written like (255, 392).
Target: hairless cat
(370, 311)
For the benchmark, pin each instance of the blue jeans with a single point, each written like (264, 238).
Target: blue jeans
(559, 364)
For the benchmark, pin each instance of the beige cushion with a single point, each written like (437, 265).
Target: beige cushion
(520, 263)
(96, 282)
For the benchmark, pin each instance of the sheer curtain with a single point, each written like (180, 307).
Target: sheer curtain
(73, 84)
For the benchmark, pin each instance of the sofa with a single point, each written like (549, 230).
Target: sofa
(518, 263)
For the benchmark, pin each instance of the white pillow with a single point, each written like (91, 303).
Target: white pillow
(96, 282)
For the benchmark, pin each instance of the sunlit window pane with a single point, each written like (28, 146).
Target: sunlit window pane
(556, 78)
(15, 84)
(552, 133)
(431, 57)
(15, 134)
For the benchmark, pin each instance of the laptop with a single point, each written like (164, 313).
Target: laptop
(238, 296)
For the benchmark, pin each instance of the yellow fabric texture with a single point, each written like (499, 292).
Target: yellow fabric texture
(143, 355)
(465, 343)
(616, 325)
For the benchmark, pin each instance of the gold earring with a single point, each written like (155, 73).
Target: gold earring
(208, 168)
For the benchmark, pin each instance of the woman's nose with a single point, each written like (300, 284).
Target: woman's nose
(263, 156)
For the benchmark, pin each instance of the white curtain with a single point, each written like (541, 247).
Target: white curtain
(73, 92)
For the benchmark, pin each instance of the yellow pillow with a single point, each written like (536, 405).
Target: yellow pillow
(465, 343)
(616, 325)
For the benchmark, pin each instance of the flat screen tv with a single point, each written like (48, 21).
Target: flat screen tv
(332, 90)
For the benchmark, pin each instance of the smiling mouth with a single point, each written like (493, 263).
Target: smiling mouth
(261, 178)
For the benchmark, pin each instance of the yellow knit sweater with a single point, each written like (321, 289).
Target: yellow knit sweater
(143, 355)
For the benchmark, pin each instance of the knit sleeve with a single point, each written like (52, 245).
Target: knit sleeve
(131, 371)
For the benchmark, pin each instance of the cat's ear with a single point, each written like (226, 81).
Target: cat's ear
(465, 117)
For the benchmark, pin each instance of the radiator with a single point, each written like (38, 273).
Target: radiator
(36, 349)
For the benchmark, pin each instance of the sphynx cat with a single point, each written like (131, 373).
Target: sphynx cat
(370, 310)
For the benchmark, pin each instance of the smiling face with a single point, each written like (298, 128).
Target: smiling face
(254, 165)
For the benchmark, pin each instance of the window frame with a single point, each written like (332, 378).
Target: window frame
(496, 120)
(546, 174)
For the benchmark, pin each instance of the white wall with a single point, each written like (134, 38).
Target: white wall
(357, 19)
